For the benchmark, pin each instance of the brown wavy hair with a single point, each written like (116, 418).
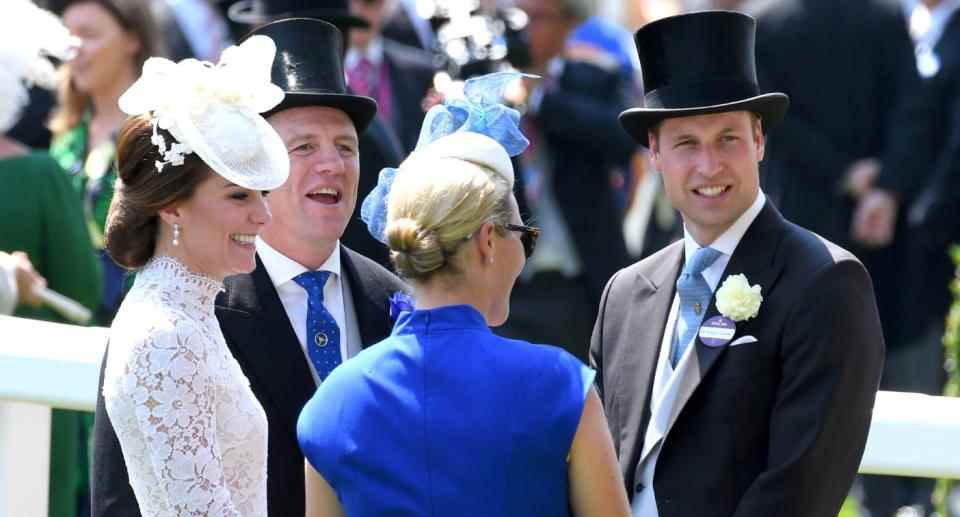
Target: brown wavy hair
(133, 221)
(134, 17)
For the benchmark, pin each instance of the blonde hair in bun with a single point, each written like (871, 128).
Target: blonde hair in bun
(436, 203)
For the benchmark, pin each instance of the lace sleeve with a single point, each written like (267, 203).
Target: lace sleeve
(174, 401)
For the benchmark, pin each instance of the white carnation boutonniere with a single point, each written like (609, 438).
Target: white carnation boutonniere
(737, 299)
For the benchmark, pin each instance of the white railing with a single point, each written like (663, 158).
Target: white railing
(48, 365)
(42, 366)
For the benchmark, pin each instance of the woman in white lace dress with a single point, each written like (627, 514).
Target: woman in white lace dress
(194, 163)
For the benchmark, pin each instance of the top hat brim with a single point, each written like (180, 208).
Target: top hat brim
(770, 107)
(361, 110)
(244, 12)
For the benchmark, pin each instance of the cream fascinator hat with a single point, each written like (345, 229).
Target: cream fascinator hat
(470, 147)
(214, 111)
(29, 37)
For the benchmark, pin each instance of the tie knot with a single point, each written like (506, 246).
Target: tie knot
(313, 282)
(701, 259)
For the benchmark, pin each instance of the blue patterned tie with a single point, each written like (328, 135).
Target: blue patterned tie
(323, 334)
(695, 296)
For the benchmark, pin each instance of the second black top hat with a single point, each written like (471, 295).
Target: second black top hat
(696, 64)
(256, 12)
(309, 69)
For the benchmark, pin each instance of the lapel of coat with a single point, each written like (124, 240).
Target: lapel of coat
(371, 288)
(754, 257)
(259, 334)
(643, 335)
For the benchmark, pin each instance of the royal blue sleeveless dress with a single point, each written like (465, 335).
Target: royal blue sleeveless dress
(445, 418)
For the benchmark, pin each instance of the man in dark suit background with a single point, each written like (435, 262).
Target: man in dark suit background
(719, 402)
(263, 314)
(566, 178)
(933, 215)
(844, 161)
(844, 145)
(924, 202)
(838, 140)
(398, 76)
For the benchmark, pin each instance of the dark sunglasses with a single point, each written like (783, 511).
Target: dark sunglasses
(528, 237)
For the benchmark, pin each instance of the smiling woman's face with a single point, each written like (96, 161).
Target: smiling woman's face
(107, 52)
(218, 225)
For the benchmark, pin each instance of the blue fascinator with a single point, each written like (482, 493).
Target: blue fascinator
(479, 111)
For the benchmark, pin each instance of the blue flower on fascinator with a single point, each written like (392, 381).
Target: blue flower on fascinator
(400, 302)
(479, 111)
(373, 211)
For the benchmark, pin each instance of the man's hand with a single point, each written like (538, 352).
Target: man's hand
(860, 176)
(875, 218)
(27, 279)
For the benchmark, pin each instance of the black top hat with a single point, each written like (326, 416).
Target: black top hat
(699, 63)
(256, 12)
(309, 69)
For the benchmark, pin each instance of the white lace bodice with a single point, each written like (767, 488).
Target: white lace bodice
(194, 437)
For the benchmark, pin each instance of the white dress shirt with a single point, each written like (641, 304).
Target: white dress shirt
(373, 53)
(666, 378)
(725, 244)
(204, 28)
(336, 298)
(926, 28)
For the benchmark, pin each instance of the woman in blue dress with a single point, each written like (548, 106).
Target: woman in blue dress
(445, 418)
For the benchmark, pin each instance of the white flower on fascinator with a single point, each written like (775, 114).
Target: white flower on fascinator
(29, 37)
(213, 111)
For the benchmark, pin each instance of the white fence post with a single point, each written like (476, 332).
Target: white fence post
(914, 435)
(42, 366)
(24, 459)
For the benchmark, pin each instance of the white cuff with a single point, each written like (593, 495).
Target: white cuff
(8, 284)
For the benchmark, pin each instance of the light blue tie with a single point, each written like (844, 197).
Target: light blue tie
(323, 333)
(695, 296)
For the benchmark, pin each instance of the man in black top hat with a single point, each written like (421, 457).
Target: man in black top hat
(737, 367)
(264, 314)
(380, 146)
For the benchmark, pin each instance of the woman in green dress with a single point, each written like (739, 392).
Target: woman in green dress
(116, 37)
(41, 216)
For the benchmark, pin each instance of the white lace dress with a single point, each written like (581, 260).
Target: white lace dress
(194, 437)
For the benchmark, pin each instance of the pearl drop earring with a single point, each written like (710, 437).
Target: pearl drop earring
(176, 234)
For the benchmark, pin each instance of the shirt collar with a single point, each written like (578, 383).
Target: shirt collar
(283, 269)
(373, 53)
(939, 17)
(727, 242)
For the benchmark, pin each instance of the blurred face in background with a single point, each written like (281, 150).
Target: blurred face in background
(105, 58)
(374, 12)
(548, 28)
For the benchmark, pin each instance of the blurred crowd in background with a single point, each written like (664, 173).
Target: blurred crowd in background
(869, 155)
